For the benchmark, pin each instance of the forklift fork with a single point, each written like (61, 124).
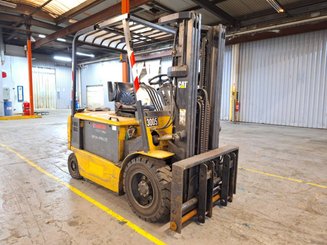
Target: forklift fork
(211, 188)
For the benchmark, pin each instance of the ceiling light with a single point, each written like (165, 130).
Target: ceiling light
(61, 39)
(42, 35)
(62, 58)
(84, 54)
(8, 4)
(275, 4)
(72, 21)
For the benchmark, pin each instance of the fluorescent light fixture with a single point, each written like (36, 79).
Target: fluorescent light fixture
(8, 4)
(275, 4)
(62, 58)
(61, 39)
(84, 54)
(42, 35)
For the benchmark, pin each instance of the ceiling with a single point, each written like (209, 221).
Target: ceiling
(52, 23)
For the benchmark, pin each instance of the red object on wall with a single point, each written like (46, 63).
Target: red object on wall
(237, 106)
(26, 109)
(4, 74)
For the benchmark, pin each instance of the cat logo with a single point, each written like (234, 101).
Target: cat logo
(182, 84)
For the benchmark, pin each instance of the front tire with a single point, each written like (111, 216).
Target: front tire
(147, 184)
(73, 167)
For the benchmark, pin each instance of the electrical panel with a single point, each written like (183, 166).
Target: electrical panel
(6, 93)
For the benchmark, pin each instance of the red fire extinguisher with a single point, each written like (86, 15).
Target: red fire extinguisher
(26, 109)
(237, 106)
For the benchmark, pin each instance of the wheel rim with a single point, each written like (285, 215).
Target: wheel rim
(142, 190)
(73, 166)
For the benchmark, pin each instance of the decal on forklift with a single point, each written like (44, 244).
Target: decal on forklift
(182, 84)
(182, 117)
(100, 138)
(151, 121)
(99, 126)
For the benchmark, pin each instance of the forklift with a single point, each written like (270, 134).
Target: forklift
(160, 145)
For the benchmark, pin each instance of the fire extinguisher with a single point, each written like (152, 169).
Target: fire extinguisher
(237, 106)
(237, 110)
(26, 109)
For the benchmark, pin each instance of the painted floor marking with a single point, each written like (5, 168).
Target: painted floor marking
(89, 199)
(283, 177)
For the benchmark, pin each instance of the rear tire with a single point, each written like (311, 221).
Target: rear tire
(73, 167)
(147, 184)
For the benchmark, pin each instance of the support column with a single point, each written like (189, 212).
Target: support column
(30, 77)
(1, 81)
(125, 6)
(125, 71)
(234, 100)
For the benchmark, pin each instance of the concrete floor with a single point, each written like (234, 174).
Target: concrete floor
(268, 209)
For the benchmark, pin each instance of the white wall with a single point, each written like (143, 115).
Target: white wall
(17, 74)
(99, 74)
(1, 94)
(16, 69)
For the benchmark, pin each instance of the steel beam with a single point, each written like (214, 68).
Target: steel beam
(199, 7)
(162, 7)
(293, 9)
(281, 32)
(212, 8)
(77, 10)
(26, 10)
(27, 18)
(15, 18)
(91, 20)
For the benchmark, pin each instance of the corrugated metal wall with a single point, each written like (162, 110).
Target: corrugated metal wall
(226, 86)
(63, 86)
(284, 81)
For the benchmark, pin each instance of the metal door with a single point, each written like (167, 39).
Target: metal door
(44, 88)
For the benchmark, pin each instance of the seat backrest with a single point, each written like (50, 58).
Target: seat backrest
(121, 92)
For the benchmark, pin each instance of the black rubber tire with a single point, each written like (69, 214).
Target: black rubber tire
(159, 175)
(73, 167)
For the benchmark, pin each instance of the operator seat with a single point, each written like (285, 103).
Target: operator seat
(125, 100)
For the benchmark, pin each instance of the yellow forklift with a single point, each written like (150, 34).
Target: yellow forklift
(160, 146)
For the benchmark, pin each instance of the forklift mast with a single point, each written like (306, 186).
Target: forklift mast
(198, 84)
(203, 172)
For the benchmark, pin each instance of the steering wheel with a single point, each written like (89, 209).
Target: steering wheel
(159, 79)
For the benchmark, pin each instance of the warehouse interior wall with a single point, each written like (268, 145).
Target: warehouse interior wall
(283, 80)
(99, 74)
(1, 94)
(226, 84)
(12, 64)
(44, 88)
(2, 48)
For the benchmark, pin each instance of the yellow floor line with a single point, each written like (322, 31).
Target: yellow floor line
(283, 177)
(89, 199)
(19, 117)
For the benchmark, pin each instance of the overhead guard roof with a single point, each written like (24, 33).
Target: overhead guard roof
(110, 33)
